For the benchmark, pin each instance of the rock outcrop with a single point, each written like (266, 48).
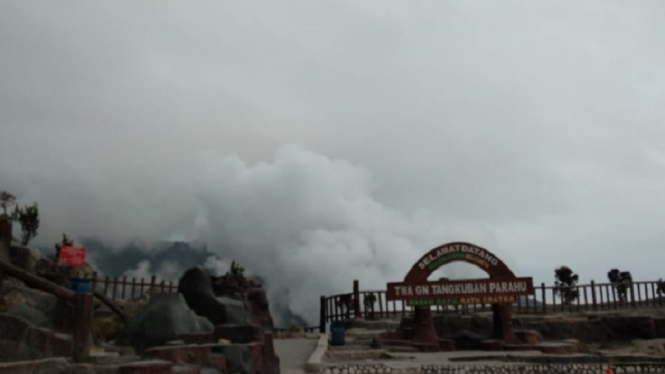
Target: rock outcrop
(166, 318)
(22, 340)
(239, 309)
(196, 287)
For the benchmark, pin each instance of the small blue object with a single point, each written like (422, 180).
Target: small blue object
(338, 332)
(80, 285)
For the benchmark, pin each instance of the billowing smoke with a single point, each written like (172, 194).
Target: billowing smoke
(306, 224)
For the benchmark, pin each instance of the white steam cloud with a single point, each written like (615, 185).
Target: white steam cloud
(302, 222)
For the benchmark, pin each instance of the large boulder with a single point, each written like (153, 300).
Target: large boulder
(165, 318)
(259, 307)
(31, 304)
(25, 257)
(196, 287)
(30, 313)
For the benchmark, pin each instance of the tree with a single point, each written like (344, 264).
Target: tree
(621, 282)
(369, 301)
(236, 269)
(28, 218)
(66, 242)
(661, 287)
(6, 200)
(566, 284)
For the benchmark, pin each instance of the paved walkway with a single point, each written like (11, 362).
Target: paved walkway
(293, 354)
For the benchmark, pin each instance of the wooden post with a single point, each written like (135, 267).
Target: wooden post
(162, 285)
(554, 299)
(653, 294)
(115, 287)
(94, 281)
(593, 295)
(124, 283)
(586, 299)
(322, 315)
(106, 284)
(544, 295)
(632, 295)
(152, 285)
(356, 299)
(639, 295)
(82, 336)
(133, 287)
(141, 287)
(380, 304)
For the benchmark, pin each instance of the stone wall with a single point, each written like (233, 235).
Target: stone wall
(645, 367)
(592, 329)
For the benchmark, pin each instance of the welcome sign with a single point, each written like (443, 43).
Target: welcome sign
(477, 291)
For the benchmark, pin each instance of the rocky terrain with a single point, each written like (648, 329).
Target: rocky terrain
(211, 325)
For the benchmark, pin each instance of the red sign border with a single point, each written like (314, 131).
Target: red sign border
(75, 258)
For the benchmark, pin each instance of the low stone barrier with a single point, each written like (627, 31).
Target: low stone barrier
(314, 363)
(644, 367)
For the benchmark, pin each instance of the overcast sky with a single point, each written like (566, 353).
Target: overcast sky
(297, 134)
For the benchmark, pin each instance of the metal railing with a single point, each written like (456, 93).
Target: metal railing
(547, 299)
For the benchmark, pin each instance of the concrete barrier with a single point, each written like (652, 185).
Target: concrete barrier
(315, 361)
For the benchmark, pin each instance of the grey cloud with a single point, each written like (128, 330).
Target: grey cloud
(533, 128)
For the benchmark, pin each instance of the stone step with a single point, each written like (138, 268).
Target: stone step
(182, 354)
(79, 369)
(195, 355)
(106, 369)
(186, 369)
(146, 367)
(398, 349)
(45, 366)
(113, 359)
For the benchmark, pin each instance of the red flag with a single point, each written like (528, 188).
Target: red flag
(71, 256)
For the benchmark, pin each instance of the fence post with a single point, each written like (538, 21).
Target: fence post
(152, 285)
(542, 290)
(593, 295)
(632, 294)
(106, 285)
(356, 298)
(322, 316)
(82, 334)
(115, 286)
(94, 281)
(586, 299)
(124, 283)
